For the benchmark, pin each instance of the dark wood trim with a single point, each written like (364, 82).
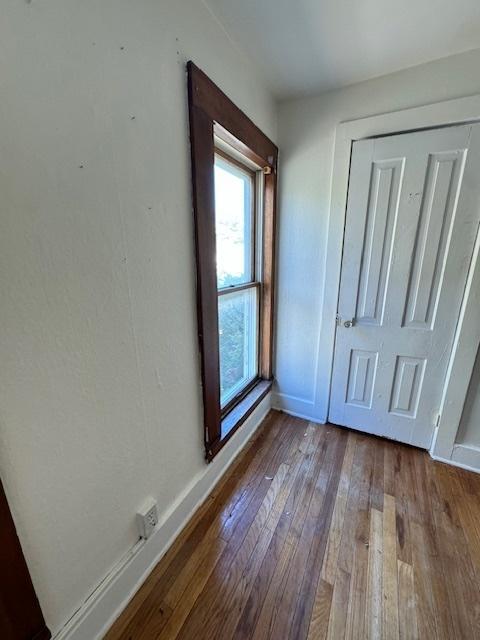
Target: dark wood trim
(239, 397)
(202, 151)
(20, 615)
(205, 95)
(268, 280)
(238, 287)
(212, 113)
(237, 416)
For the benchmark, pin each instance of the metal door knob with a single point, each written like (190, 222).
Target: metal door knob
(347, 324)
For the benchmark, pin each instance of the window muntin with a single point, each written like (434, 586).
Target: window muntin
(237, 288)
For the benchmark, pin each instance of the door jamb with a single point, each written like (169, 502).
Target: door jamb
(467, 336)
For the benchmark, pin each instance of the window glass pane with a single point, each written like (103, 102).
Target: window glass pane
(233, 224)
(237, 323)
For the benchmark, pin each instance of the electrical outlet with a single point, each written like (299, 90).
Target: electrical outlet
(147, 518)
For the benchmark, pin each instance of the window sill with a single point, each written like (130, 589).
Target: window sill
(237, 416)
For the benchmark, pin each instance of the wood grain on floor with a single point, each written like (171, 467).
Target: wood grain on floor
(320, 532)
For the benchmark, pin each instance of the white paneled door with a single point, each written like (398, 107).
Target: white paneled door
(412, 215)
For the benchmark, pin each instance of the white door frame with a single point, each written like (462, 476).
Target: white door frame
(467, 337)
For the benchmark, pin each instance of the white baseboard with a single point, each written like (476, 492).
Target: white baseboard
(468, 455)
(297, 407)
(463, 456)
(96, 615)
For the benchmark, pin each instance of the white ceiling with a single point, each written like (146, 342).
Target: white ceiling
(309, 46)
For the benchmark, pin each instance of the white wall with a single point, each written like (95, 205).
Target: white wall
(469, 430)
(100, 402)
(306, 136)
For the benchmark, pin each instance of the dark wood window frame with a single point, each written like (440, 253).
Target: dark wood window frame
(213, 115)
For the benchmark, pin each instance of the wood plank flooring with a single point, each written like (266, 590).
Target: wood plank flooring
(320, 532)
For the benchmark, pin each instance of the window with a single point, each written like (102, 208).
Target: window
(234, 188)
(236, 217)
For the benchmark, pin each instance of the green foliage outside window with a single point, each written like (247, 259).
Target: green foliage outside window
(232, 341)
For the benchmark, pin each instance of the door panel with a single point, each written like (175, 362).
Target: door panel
(433, 237)
(361, 378)
(412, 215)
(407, 386)
(377, 244)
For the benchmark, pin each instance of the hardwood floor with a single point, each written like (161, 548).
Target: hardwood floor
(320, 532)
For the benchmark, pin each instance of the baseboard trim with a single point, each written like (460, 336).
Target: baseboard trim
(468, 455)
(302, 416)
(97, 614)
(464, 457)
(297, 407)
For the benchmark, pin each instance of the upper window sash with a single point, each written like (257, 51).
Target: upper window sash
(235, 222)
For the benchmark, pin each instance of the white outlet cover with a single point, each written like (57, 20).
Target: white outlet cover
(147, 518)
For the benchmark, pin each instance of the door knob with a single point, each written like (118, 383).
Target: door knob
(346, 323)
